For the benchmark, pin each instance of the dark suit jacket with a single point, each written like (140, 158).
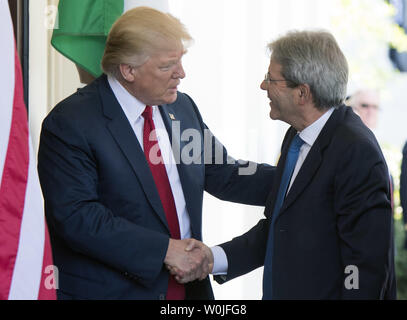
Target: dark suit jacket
(403, 185)
(336, 214)
(108, 228)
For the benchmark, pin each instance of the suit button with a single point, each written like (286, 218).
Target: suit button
(161, 296)
(126, 274)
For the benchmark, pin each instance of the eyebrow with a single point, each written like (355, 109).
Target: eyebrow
(173, 60)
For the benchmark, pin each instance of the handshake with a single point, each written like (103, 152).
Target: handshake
(188, 260)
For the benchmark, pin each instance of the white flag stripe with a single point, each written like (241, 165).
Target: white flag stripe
(161, 5)
(6, 79)
(26, 279)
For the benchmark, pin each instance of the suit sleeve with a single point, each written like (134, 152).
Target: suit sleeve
(363, 210)
(68, 174)
(233, 180)
(237, 181)
(246, 252)
(403, 184)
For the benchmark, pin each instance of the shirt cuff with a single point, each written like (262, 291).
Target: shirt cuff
(220, 261)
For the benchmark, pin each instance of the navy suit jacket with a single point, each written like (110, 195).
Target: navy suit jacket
(108, 228)
(403, 184)
(336, 214)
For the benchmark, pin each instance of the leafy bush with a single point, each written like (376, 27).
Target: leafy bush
(400, 260)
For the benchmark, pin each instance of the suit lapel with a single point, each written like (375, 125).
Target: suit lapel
(305, 175)
(279, 173)
(123, 133)
(172, 124)
(312, 161)
(176, 124)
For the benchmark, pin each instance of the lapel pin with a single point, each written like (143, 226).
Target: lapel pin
(172, 117)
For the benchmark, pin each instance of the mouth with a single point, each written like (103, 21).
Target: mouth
(175, 88)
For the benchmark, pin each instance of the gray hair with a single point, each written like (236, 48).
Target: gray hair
(313, 58)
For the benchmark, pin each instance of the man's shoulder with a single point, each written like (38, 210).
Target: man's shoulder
(81, 111)
(352, 142)
(350, 129)
(80, 104)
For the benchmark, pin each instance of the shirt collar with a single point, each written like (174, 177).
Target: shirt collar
(132, 107)
(311, 133)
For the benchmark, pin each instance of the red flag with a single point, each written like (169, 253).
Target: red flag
(26, 268)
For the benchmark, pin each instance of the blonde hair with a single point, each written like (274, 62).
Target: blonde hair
(138, 34)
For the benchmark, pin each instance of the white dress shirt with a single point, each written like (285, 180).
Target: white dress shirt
(133, 108)
(308, 135)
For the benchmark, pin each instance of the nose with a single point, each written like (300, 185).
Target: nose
(179, 72)
(263, 85)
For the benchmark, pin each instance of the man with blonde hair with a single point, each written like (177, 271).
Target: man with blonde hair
(123, 165)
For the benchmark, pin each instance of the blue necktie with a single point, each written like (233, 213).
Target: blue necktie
(292, 157)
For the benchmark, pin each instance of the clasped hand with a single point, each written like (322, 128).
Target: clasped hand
(188, 260)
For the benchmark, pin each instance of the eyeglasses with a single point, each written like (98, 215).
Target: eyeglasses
(267, 78)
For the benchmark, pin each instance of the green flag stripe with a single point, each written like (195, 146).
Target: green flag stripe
(83, 26)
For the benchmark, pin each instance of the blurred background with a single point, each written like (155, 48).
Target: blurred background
(225, 66)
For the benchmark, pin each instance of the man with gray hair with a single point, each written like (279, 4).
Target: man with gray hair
(327, 232)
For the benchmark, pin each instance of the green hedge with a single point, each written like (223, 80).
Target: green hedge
(400, 260)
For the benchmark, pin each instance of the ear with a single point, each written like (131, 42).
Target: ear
(127, 72)
(304, 94)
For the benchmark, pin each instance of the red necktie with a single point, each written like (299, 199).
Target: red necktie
(175, 291)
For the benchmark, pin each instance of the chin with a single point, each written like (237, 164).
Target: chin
(166, 100)
(172, 98)
(272, 117)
